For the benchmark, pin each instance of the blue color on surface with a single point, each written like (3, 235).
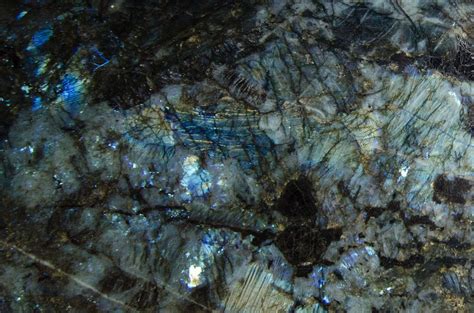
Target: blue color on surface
(37, 104)
(71, 93)
(100, 55)
(40, 38)
(21, 15)
(235, 137)
(411, 70)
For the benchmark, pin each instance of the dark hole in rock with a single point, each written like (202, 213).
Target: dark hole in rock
(297, 200)
(304, 245)
(451, 190)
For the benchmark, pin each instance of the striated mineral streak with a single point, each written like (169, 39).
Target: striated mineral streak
(237, 156)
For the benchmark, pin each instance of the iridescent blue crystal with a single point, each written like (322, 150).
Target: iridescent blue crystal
(40, 38)
(72, 93)
(37, 104)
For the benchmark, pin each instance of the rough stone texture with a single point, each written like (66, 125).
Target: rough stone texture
(252, 156)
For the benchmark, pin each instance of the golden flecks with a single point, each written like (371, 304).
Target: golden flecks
(63, 237)
(150, 116)
(367, 85)
(280, 227)
(394, 67)
(193, 40)
(456, 303)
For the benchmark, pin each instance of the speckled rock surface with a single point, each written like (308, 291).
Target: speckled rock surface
(252, 156)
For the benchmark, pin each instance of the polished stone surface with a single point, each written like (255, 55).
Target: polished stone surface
(252, 156)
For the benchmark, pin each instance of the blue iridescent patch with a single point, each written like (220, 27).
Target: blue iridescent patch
(236, 136)
(72, 93)
(40, 38)
(21, 15)
(37, 104)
